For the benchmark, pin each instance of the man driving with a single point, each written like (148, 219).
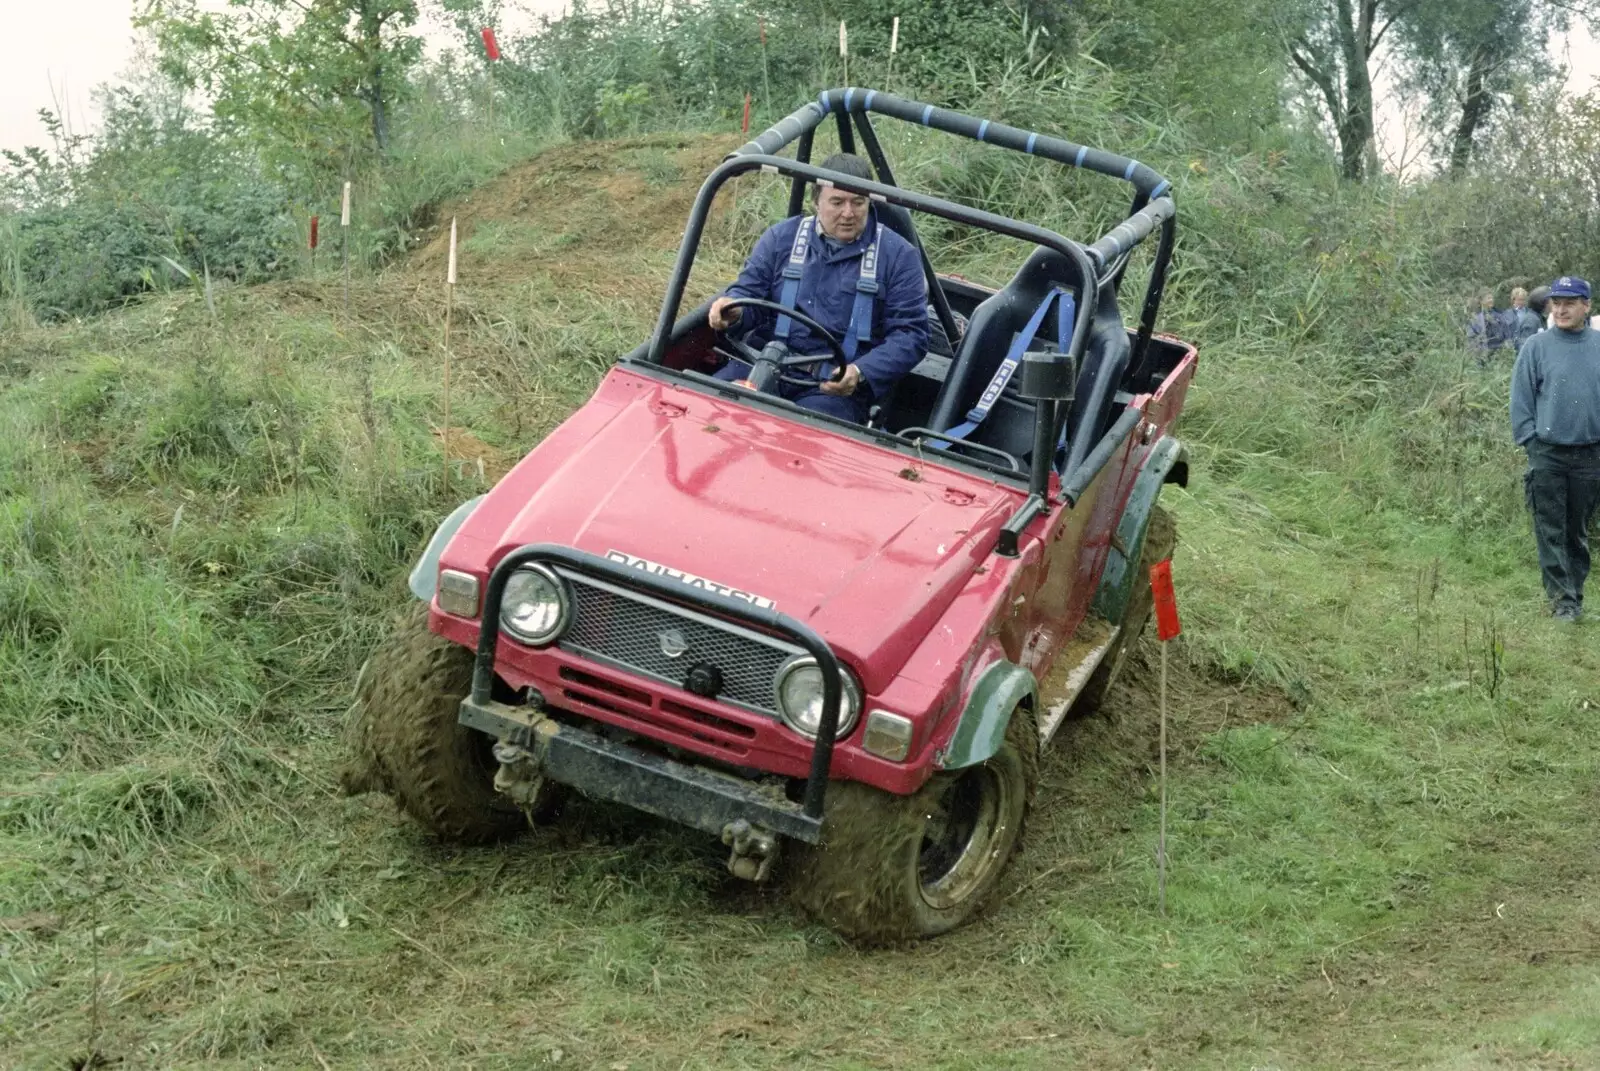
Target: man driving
(851, 269)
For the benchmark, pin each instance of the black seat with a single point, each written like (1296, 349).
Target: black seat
(1105, 362)
(990, 330)
(993, 325)
(897, 219)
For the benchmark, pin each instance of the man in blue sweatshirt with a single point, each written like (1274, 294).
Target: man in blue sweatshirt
(1555, 415)
(833, 250)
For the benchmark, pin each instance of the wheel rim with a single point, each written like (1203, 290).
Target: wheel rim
(964, 837)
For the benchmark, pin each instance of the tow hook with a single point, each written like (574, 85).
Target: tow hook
(518, 778)
(754, 850)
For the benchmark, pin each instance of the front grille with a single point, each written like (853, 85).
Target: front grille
(634, 632)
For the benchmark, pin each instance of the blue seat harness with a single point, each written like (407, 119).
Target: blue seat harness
(860, 329)
(1065, 314)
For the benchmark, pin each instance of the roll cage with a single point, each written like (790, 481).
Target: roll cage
(1098, 265)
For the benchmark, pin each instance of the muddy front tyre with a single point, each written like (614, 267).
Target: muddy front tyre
(896, 868)
(1160, 537)
(406, 741)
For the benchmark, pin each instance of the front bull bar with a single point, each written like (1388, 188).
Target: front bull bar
(673, 591)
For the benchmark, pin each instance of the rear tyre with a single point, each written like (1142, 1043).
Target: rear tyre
(406, 741)
(1160, 537)
(897, 868)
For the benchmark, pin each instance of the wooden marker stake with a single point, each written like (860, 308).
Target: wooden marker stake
(1167, 629)
(449, 305)
(344, 230)
(766, 70)
(894, 46)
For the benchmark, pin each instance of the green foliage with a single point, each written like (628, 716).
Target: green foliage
(619, 68)
(309, 84)
(945, 45)
(1210, 61)
(154, 199)
(1470, 57)
(1528, 216)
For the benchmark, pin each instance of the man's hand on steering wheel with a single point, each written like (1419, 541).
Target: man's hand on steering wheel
(725, 312)
(720, 317)
(845, 385)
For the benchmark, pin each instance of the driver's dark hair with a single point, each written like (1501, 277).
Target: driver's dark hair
(846, 163)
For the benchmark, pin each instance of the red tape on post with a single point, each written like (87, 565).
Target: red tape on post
(490, 45)
(313, 232)
(744, 125)
(1166, 600)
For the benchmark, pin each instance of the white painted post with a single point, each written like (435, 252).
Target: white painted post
(844, 52)
(449, 305)
(766, 70)
(1161, 846)
(344, 231)
(1167, 629)
(894, 46)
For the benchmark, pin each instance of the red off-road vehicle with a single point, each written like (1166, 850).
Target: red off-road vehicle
(697, 599)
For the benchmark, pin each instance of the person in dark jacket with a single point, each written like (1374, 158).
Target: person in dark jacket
(1521, 322)
(1484, 329)
(1555, 416)
(1539, 304)
(845, 228)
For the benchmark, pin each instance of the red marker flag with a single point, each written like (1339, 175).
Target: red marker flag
(744, 126)
(763, 32)
(1167, 625)
(313, 232)
(490, 45)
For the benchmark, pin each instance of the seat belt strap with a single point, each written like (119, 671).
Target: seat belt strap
(860, 329)
(789, 293)
(1013, 359)
(1064, 318)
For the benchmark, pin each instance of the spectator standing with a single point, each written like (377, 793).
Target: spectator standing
(1540, 301)
(1521, 322)
(1555, 416)
(1484, 334)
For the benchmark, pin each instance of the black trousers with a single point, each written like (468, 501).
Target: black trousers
(1563, 489)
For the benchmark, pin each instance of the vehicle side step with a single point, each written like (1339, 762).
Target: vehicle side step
(1074, 666)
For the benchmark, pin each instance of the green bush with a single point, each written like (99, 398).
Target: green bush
(156, 201)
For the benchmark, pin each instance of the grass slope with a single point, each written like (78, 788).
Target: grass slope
(1383, 756)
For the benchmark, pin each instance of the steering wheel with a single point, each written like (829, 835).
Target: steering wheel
(751, 356)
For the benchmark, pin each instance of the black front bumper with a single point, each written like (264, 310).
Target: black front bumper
(603, 769)
(591, 763)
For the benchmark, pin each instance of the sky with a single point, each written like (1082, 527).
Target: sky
(52, 55)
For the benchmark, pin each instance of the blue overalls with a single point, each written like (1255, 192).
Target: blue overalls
(879, 315)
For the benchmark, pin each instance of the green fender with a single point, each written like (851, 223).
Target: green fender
(425, 577)
(1168, 462)
(982, 728)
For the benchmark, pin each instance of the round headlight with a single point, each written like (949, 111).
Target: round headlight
(535, 608)
(799, 687)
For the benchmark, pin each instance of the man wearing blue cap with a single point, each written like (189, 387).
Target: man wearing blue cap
(1555, 415)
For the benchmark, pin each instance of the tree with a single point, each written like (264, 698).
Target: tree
(1466, 55)
(1462, 54)
(318, 74)
(1333, 45)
